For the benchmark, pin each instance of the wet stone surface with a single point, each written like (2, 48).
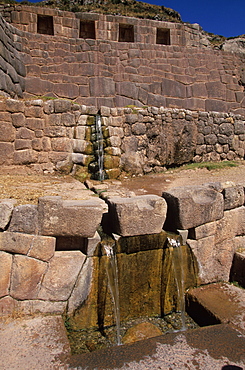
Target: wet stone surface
(89, 340)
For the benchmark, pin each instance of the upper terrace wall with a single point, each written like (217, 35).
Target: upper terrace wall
(103, 71)
(67, 24)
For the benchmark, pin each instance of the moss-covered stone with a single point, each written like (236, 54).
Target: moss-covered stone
(90, 120)
(89, 148)
(88, 133)
(111, 161)
(113, 173)
(81, 173)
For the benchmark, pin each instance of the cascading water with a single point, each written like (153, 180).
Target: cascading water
(100, 149)
(177, 267)
(112, 273)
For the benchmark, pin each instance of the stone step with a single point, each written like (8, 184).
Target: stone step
(238, 268)
(217, 303)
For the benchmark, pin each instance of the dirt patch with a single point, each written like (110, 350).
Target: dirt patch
(26, 186)
(22, 184)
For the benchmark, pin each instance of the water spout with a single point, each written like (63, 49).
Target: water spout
(112, 273)
(100, 150)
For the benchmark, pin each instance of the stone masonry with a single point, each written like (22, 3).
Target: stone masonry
(59, 135)
(102, 70)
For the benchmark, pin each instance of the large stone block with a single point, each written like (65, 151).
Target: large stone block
(6, 153)
(191, 206)
(27, 274)
(101, 86)
(74, 217)
(7, 132)
(24, 219)
(6, 209)
(230, 225)
(173, 88)
(59, 280)
(5, 268)
(233, 196)
(137, 215)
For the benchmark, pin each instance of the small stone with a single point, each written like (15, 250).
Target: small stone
(141, 331)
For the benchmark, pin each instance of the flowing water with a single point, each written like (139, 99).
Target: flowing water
(100, 150)
(112, 273)
(177, 267)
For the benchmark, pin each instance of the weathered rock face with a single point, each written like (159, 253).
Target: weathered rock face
(236, 45)
(137, 216)
(192, 206)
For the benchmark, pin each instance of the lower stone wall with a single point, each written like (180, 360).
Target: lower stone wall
(58, 134)
(50, 265)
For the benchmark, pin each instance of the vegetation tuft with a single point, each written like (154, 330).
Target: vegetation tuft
(210, 165)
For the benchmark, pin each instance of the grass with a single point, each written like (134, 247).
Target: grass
(209, 165)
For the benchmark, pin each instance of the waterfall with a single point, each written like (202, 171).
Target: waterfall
(100, 149)
(112, 273)
(177, 266)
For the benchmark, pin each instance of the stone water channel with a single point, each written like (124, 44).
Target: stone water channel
(137, 293)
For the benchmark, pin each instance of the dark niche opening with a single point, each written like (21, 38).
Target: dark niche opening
(126, 33)
(163, 36)
(87, 30)
(45, 24)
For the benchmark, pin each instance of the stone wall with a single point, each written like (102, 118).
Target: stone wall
(102, 71)
(48, 267)
(58, 134)
(109, 73)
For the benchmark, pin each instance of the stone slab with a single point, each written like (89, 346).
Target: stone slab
(34, 343)
(217, 303)
(138, 215)
(214, 347)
